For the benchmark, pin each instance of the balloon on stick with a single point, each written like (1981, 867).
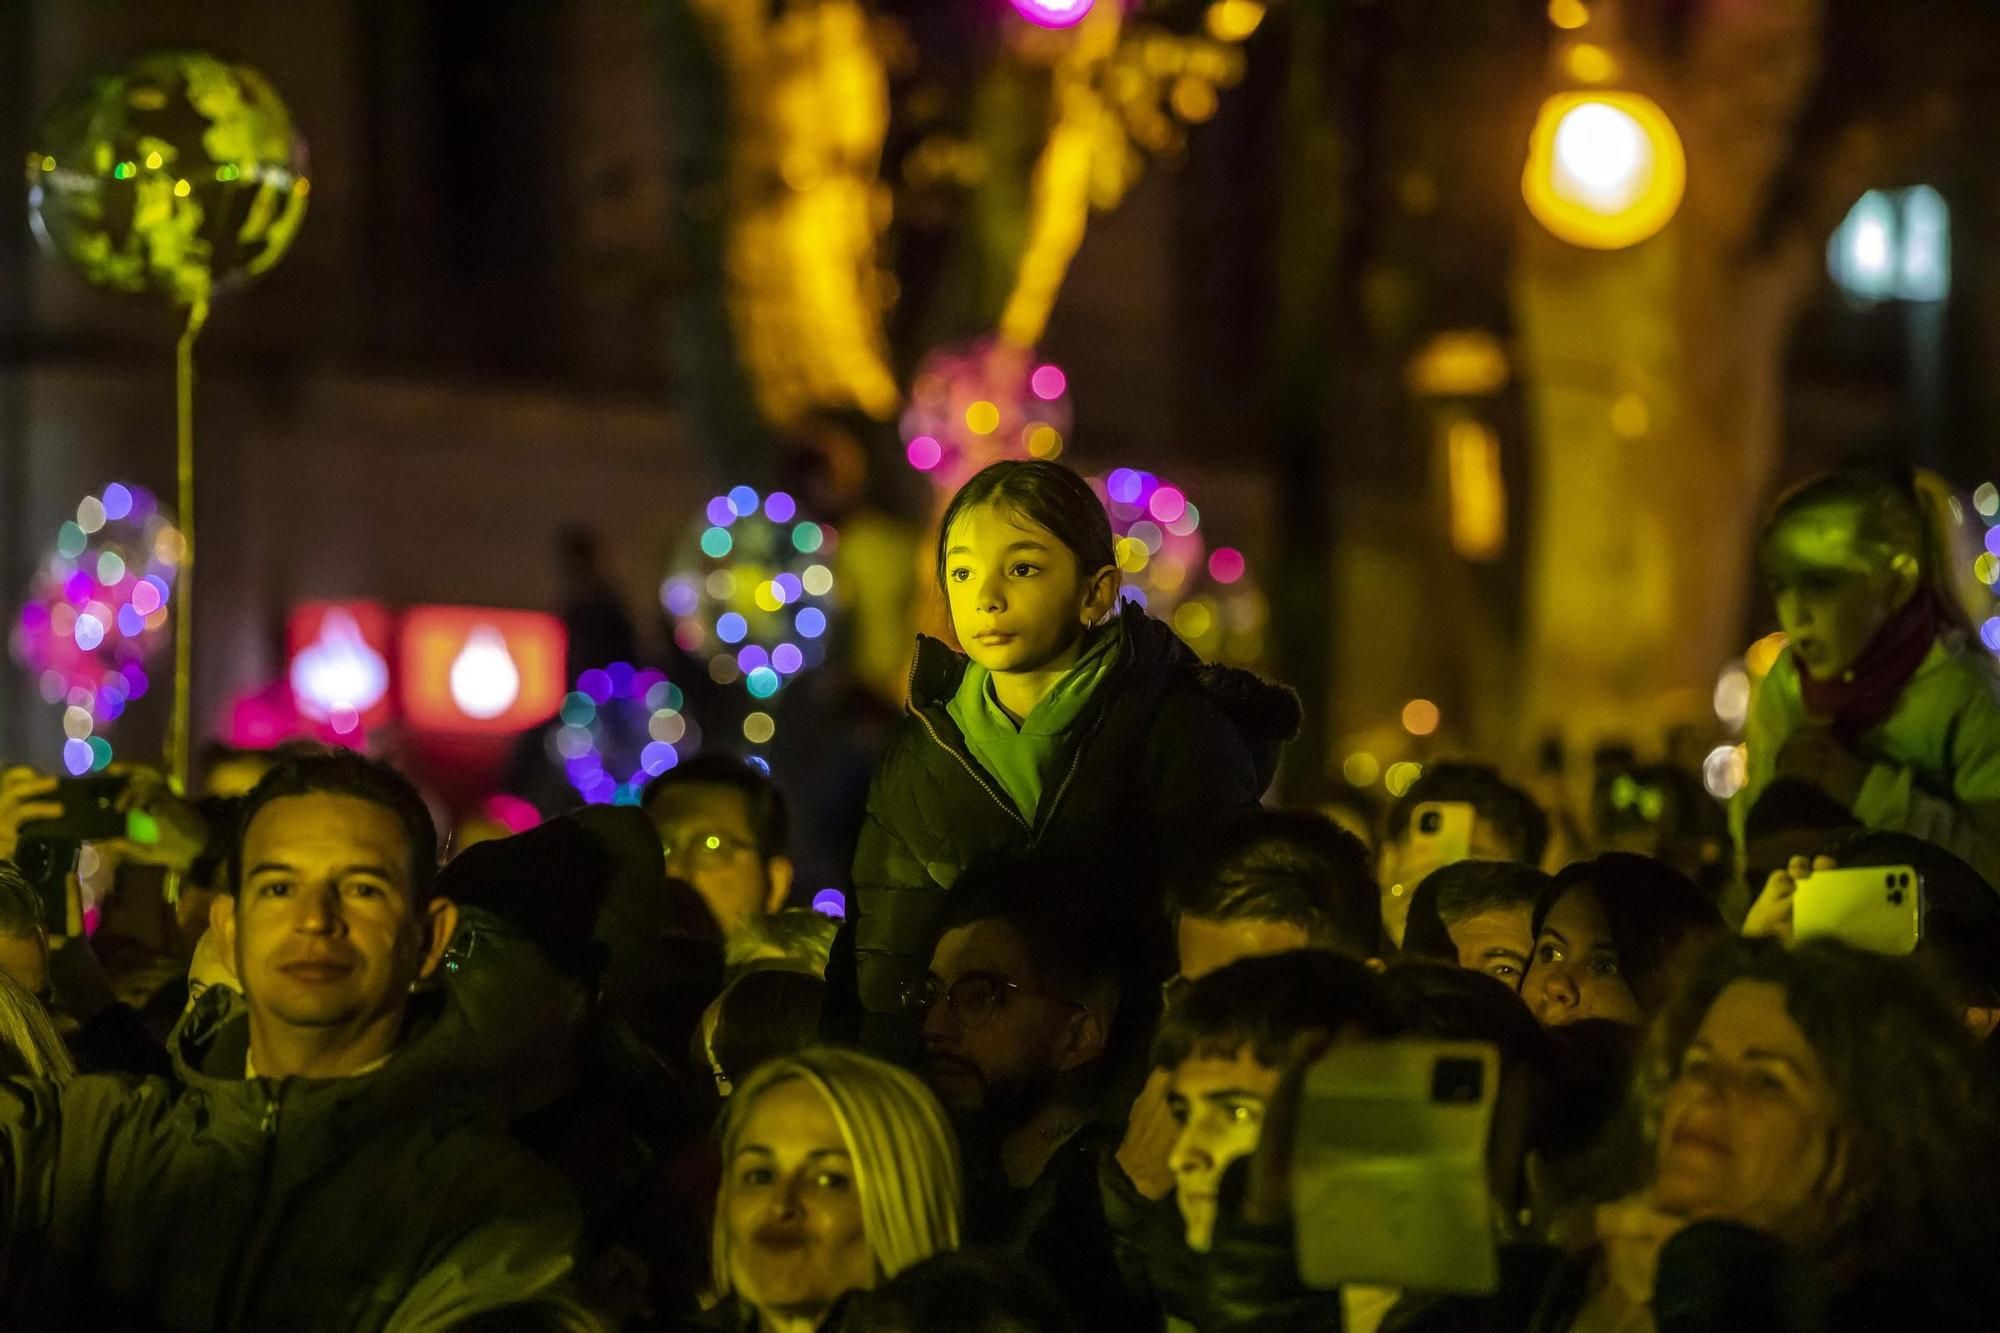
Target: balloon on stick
(178, 176)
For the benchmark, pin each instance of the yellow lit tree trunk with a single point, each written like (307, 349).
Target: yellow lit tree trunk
(1654, 383)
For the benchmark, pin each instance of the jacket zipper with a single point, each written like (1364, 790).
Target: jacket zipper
(235, 1295)
(971, 769)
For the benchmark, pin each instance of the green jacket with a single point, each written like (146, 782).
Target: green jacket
(392, 1200)
(1936, 755)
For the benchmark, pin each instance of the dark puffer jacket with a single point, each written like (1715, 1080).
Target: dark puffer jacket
(1166, 747)
(211, 1201)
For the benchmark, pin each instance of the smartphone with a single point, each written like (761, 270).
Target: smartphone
(1440, 833)
(47, 864)
(90, 812)
(1877, 908)
(1389, 1167)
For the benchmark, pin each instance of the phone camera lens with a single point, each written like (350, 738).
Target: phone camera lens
(1457, 1082)
(1431, 822)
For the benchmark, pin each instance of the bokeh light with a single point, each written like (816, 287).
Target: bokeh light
(1725, 771)
(1732, 696)
(1605, 170)
(1054, 13)
(979, 403)
(1160, 547)
(754, 604)
(1361, 769)
(1401, 777)
(1420, 717)
(830, 902)
(98, 609)
(620, 728)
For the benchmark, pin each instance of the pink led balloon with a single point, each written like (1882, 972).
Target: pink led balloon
(1053, 13)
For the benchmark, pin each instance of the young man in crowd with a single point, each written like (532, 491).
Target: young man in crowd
(1222, 1048)
(1477, 915)
(326, 1158)
(1275, 880)
(1506, 825)
(723, 825)
(1019, 1007)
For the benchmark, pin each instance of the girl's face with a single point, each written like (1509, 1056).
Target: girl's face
(1575, 973)
(1019, 601)
(1747, 1130)
(1833, 588)
(796, 1238)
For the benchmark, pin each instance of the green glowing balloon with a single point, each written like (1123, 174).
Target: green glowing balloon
(179, 176)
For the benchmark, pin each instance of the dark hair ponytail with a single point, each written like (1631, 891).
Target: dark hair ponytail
(1045, 493)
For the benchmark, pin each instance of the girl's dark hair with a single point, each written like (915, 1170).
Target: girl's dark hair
(1651, 908)
(1913, 1101)
(766, 1014)
(1042, 492)
(1900, 509)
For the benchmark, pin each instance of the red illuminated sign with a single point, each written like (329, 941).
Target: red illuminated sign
(472, 669)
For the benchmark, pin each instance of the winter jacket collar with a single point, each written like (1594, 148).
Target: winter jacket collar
(1267, 714)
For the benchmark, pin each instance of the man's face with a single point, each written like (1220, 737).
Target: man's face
(1833, 589)
(1496, 942)
(996, 1039)
(25, 959)
(1219, 1105)
(1206, 945)
(710, 843)
(326, 934)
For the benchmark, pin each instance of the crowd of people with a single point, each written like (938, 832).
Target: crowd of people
(1107, 1040)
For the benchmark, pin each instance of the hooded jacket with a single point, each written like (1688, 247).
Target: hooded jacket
(211, 1201)
(1167, 746)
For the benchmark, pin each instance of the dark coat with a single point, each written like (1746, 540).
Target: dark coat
(1166, 748)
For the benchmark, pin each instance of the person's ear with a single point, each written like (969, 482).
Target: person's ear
(1904, 574)
(1981, 1020)
(1085, 1039)
(1101, 595)
(222, 920)
(778, 873)
(440, 924)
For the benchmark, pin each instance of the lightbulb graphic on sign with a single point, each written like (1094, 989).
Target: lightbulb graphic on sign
(338, 674)
(484, 680)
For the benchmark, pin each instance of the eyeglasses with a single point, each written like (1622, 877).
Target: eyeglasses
(974, 998)
(707, 847)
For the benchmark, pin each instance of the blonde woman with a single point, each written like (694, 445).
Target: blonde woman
(29, 1045)
(839, 1171)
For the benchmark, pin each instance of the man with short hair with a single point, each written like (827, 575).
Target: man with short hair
(329, 1158)
(1477, 915)
(1507, 825)
(723, 824)
(1275, 880)
(1018, 1009)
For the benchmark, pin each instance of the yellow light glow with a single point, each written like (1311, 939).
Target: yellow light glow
(1234, 20)
(1459, 363)
(1588, 62)
(154, 161)
(1401, 777)
(758, 728)
(1568, 14)
(1420, 717)
(982, 418)
(1606, 170)
(1630, 416)
(1194, 99)
(769, 598)
(181, 189)
(1361, 769)
(1132, 554)
(1045, 442)
(1194, 620)
(1987, 568)
(1478, 490)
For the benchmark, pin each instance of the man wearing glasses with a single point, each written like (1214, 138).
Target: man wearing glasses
(1017, 1010)
(722, 823)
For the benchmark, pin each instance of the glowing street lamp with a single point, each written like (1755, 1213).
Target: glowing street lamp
(1605, 169)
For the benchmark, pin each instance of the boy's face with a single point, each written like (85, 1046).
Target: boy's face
(1832, 588)
(1219, 1105)
(1019, 602)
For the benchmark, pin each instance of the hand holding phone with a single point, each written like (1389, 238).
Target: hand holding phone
(1877, 908)
(25, 797)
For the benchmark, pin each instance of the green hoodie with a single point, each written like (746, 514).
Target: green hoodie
(1020, 757)
(1935, 758)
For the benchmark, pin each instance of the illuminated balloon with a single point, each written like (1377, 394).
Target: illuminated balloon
(97, 612)
(752, 591)
(178, 176)
(979, 403)
(1054, 13)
